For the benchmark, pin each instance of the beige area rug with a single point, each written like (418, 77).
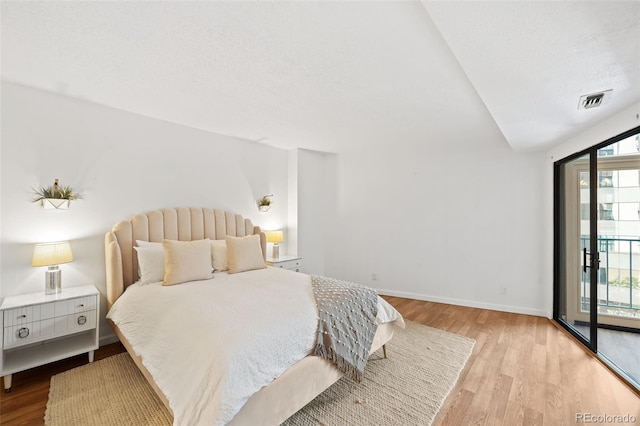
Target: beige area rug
(407, 388)
(109, 392)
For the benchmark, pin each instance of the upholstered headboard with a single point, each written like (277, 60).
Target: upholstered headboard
(183, 224)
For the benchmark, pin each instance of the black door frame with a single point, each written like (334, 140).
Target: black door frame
(558, 193)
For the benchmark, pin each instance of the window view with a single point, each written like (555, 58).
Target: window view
(618, 229)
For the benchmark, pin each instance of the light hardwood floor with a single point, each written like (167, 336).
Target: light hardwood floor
(523, 371)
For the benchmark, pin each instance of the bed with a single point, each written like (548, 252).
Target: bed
(275, 383)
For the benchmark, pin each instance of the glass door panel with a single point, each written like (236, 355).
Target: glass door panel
(618, 313)
(574, 213)
(619, 233)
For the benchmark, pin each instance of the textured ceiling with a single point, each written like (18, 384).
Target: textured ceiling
(531, 61)
(323, 75)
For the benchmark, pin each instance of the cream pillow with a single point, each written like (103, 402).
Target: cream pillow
(219, 255)
(186, 261)
(244, 253)
(150, 263)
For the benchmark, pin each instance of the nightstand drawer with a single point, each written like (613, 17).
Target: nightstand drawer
(21, 334)
(81, 304)
(27, 314)
(21, 315)
(82, 320)
(293, 265)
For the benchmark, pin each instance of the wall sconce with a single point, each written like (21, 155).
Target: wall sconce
(264, 203)
(275, 237)
(55, 196)
(52, 255)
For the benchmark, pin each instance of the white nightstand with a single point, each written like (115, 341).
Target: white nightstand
(292, 263)
(39, 328)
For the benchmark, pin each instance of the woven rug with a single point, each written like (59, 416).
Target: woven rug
(407, 388)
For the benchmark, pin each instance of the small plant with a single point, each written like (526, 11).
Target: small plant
(54, 191)
(264, 201)
(625, 282)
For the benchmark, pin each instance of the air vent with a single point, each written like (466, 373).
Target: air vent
(594, 100)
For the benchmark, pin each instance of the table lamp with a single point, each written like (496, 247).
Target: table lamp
(275, 237)
(52, 255)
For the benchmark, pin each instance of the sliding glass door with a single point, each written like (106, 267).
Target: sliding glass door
(597, 250)
(574, 247)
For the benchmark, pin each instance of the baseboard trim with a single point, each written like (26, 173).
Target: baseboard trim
(108, 339)
(462, 302)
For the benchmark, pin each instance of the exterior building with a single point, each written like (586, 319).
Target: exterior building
(618, 227)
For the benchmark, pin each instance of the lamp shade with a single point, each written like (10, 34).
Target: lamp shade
(275, 236)
(49, 254)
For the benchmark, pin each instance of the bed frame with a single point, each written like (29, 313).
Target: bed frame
(274, 403)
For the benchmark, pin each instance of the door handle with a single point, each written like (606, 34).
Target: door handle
(595, 260)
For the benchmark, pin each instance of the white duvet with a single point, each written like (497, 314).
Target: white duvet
(210, 345)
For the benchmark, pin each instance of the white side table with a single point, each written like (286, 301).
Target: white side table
(292, 263)
(40, 328)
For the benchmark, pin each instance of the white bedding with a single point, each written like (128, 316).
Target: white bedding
(211, 344)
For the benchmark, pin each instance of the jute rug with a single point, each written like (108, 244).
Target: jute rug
(407, 388)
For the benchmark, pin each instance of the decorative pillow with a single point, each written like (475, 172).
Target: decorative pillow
(150, 263)
(219, 255)
(244, 253)
(186, 261)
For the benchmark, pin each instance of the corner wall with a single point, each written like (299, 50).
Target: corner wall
(451, 217)
(312, 205)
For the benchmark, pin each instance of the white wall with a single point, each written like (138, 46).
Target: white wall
(124, 164)
(291, 233)
(316, 206)
(452, 216)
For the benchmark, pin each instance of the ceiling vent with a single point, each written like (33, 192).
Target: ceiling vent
(594, 100)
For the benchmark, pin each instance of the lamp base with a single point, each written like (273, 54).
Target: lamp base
(276, 251)
(53, 280)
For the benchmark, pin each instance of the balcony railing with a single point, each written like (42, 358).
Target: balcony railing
(618, 277)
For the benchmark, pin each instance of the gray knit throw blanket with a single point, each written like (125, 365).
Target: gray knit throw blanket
(347, 324)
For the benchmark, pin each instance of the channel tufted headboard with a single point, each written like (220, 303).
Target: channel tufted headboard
(183, 224)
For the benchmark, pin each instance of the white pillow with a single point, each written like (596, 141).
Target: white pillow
(244, 253)
(150, 263)
(142, 243)
(186, 261)
(219, 255)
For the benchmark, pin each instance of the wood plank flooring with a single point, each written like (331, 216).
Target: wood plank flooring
(523, 371)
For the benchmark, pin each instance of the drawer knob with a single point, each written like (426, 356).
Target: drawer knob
(23, 333)
(82, 320)
(22, 316)
(81, 305)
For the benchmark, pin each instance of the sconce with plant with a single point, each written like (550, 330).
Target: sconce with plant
(55, 196)
(264, 203)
